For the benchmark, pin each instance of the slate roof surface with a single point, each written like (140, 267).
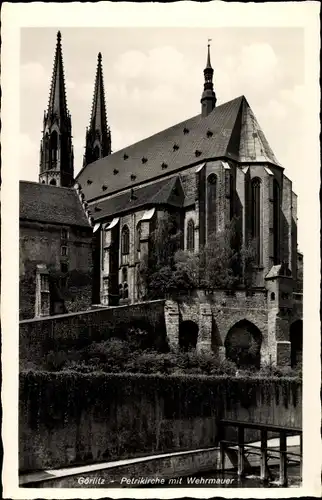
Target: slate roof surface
(163, 192)
(223, 133)
(45, 203)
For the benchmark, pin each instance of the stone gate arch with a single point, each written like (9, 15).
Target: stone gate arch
(188, 335)
(243, 344)
(296, 339)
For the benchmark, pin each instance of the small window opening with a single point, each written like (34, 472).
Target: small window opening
(115, 171)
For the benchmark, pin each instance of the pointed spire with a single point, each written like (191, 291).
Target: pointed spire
(57, 99)
(98, 136)
(56, 150)
(208, 66)
(98, 116)
(208, 99)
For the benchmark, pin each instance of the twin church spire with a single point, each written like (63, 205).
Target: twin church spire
(56, 150)
(98, 134)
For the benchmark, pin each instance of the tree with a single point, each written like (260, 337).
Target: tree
(224, 262)
(156, 268)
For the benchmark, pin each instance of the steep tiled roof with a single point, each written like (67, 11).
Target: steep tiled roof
(163, 192)
(253, 143)
(225, 132)
(164, 152)
(46, 203)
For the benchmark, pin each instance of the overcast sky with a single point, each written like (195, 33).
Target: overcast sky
(154, 78)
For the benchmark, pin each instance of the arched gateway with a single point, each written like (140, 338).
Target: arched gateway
(243, 344)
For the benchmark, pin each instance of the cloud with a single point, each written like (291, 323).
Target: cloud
(161, 64)
(35, 75)
(255, 70)
(296, 96)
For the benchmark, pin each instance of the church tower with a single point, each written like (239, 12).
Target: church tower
(98, 135)
(208, 98)
(56, 150)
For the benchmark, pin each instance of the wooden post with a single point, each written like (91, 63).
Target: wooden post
(283, 459)
(241, 436)
(264, 471)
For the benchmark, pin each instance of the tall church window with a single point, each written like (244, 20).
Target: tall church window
(276, 220)
(190, 235)
(212, 204)
(54, 146)
(255, 216)
(124, 287)
(232, 197)
(125, 240)
(138, 237)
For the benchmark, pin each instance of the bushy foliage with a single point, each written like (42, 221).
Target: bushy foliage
(224, 262)
(119, 356)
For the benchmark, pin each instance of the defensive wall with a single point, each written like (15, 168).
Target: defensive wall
(74, 418)
(212, 315)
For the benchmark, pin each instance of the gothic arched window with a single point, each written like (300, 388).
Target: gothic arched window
(190, 235)
(256, 216)
(212, 203)
(53, 182)
(138, 237)
(276, 220)
(124, 274)
(125, 240)
(54, 145)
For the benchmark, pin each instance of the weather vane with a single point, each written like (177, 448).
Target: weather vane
(209, 40)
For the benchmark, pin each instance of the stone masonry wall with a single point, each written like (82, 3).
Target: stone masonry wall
(41, 244)
(39, 336)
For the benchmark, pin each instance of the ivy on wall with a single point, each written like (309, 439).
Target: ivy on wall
(51, 398)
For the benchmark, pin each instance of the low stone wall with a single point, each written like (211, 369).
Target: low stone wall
(156, 471)
(74, 418)
(39, 336)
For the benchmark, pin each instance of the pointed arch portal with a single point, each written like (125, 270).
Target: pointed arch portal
(243, 344)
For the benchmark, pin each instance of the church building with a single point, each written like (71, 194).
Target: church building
(82, 239)
(206, 170)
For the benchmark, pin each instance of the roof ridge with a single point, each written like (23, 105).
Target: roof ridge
(47, 185)
(119, 151)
